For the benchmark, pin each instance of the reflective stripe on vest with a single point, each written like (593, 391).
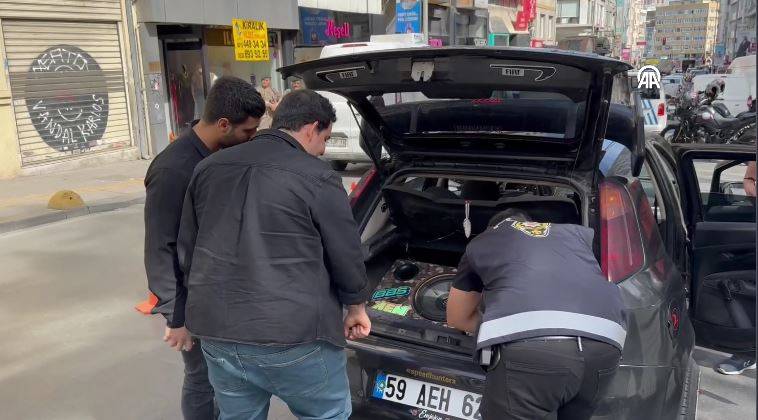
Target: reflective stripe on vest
(540, 320)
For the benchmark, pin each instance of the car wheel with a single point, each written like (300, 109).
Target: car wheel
(338, 165)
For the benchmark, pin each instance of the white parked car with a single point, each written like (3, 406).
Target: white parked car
(739, 89)
(671, 84)
(344, 146)
(653, 106)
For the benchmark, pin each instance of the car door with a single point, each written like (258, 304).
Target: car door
(721, 228)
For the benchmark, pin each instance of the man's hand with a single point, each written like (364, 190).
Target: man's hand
(357, 323)
(178, 338)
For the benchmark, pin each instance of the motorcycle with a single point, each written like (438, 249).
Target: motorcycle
(700, 120)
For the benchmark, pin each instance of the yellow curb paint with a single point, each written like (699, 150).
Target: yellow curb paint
(65, 200)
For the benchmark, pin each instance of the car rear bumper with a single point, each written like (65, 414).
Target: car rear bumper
(368, 357)
(346, 155)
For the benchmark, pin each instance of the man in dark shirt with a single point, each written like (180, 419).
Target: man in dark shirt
(551, 327)
(273, 255)
(231, 116)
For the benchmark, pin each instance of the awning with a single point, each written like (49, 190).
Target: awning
(501, 20)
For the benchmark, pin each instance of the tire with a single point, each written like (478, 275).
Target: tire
(748, 136)
(688, 405)
(338, 165)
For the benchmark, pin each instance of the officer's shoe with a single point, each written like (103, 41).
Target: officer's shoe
(735, 366)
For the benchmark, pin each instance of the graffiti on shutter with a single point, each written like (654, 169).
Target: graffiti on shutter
(66, 120)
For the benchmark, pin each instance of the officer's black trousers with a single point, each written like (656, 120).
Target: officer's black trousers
(548, 379)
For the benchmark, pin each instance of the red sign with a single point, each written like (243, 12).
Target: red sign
(641, 42)
(537, 43)
(522, 22)
(334, 31)
(435, 42)
(531, 7)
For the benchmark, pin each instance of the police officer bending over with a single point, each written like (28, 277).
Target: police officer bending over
(551, 328)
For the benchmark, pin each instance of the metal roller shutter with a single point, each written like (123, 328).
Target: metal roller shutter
(67, 83)
(109, 10)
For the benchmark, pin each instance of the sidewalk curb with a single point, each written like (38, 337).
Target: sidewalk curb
(59, 215)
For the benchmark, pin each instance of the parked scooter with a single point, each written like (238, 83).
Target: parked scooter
(700, 120)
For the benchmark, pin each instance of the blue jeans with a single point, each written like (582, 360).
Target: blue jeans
(310, 378)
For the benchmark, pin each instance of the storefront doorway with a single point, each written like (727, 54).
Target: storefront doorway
(186, 85)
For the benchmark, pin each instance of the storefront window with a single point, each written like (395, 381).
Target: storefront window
(184, 71)
(188, 85)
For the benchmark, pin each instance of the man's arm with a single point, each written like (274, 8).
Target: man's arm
(341, 242)
(165, 190)
(342, 255)
(465, 296)
(749, 181)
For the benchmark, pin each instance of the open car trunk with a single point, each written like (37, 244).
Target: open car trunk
(415, 239)
(484, 105)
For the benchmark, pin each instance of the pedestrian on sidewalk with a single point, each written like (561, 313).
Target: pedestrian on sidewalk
(273, 256)
(272, 97)
(231, 116)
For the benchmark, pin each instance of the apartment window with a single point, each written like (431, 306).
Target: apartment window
(568, 9)
(552, 28)
(541, 32)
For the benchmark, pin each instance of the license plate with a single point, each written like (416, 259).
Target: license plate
(428, 398)
(337, 142)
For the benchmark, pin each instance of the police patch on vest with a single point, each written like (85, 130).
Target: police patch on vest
(533, 229)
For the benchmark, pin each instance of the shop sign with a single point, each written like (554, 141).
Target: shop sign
(435, 42)
(218, 37)
(338, 32)
(250, 40)
(408, 17)
(537, 43)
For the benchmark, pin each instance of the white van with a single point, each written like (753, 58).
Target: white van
(653, 106)
(344, 145)
(739, 89)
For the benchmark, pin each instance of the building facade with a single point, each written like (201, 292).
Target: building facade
(739, 34)
(579, 19)
(686, 30)
(185, 45)
(649, 34)
(67, 87)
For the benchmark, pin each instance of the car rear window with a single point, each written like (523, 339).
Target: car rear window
(549, 116)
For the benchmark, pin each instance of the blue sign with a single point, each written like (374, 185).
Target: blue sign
(408, 17)
(720, 50)
(313, 24)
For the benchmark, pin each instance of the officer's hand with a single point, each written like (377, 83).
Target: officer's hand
(357, 322)
(178, 338)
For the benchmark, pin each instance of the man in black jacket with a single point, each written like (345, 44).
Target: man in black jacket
(231, 116)
(273, 255)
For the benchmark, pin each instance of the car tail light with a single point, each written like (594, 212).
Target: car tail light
(621, 251)
(360, 188)
(661, 109)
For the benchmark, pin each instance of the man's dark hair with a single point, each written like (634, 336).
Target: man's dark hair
(234, 99)
(302, 107)
(512, 213)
